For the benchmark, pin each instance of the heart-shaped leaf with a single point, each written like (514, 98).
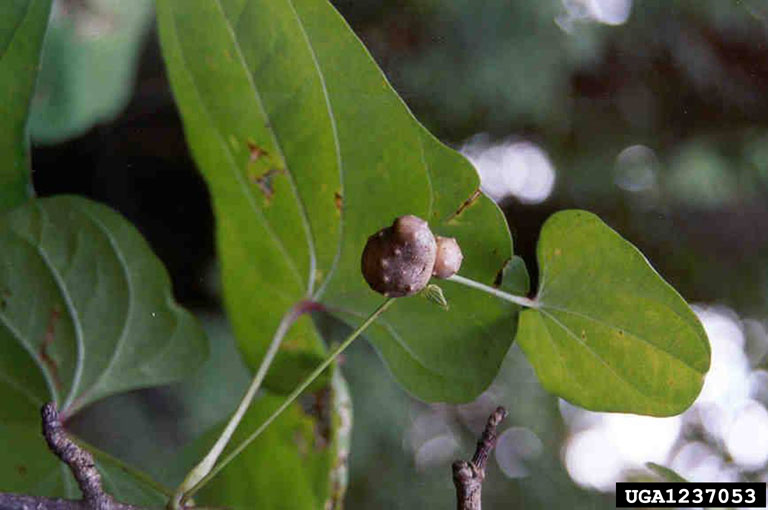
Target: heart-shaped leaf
(85, 311)
(307, 151)
(22, 27)
(86, 300)
(609, 333)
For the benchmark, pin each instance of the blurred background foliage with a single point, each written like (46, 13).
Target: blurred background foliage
(89, 65)
(653, 114)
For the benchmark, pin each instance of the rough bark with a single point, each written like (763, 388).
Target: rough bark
(468, 476)
(83, 467)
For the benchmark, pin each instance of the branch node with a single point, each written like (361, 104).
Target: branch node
(468, 476)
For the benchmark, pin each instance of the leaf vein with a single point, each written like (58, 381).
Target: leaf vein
(336, 143)
(76, 322)
(48, 379)
(628, 333)
(129, 286)
(302, 206)
(229, 156)
(602, 361)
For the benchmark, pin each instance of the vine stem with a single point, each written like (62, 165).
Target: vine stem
(518, 300)
(204, 467)
(287, 402)
(468, 476)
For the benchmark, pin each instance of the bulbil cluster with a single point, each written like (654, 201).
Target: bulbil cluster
(400, 259)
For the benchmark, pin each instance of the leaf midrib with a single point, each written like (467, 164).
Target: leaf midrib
(337, 148)
(316, 295)
(129, 285)
(61, 287)
(238, 178)
(76, 322)
(276, 140)
(627, 332)
(602, 361)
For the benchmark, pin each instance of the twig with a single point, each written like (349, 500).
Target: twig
(81, 464)
(468, 476)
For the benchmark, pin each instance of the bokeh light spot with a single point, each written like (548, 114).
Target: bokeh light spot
(512, 168)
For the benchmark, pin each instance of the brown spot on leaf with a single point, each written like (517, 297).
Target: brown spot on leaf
(50, 336)
(500, 274)
(467, 203)
(5, 295)
(265, 182)
(558, 252)
(21, 469)
(255, 151)
(338, 201)
(318, 405)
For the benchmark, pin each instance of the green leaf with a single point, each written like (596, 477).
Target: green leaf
(29, 467)
(665, 473)
(85, 312)
(307, 151)
(514, 278)
(88, 66)
(22, 27)
(609, 333)
(88, 303)
(298, 462)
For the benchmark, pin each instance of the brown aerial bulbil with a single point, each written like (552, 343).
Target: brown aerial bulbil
(448, 259)
(399, 260)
